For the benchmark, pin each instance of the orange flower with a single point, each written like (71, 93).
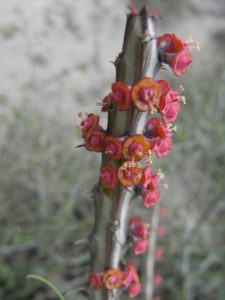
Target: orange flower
(145, 94)
(113, 279)
(94, 141)
(135, 147)
(130, 173)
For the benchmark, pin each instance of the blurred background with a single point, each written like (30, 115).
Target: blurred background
(55, 62)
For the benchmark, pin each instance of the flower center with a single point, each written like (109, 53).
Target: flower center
(146, 95)
(110, 148)
(95, 141)
(136, 148)
(118, 96)
(87, 123)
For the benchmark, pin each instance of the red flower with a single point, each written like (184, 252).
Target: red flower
(108, 176)
(135, 147)
(139, 231)
(94, 141)
(151, 198)
(120, 95)
(154, 128)
(130, 173)
(174, 52)
(95, 280)
(112, 147)
(106, 101)
(145, 94)
(140, 246)
(89, 123)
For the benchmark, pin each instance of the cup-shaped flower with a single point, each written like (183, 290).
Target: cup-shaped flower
(174, 52)
(151, 198)
(139, 231)
(94, 141)
(134, 290)
(120, 95)
(155, 128)
(169, 106)
(145, 94)
(129, 173)
(108, 176)
(131, 280)
(113, 147)
(135, 147)
(89, 123)
(140, 246)
(163, 147)
(113, 279)
(95, 280)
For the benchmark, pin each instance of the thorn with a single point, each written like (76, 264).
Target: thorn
(80, 146)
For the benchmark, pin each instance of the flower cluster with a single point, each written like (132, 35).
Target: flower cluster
(115, 279)
(145, 95)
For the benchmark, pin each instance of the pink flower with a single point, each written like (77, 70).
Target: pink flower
(95, 280)
(108, 176)
(134, 290)
(161, 231)
(157, 280)
(140, 246)
(169, 106)
(131, 280)
(159, 254)
(162, 212)
(151, 198)
(135, 221)
(174, 52)
(140, 231)
(163, 147)
(181, 62)
(146, 177)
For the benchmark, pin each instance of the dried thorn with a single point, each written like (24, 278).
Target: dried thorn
(144, 10)
(80, 146)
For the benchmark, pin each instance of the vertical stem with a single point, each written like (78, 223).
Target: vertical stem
(138, 59)
(150, 256)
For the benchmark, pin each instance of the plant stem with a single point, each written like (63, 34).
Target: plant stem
(138, 59)
(149, 260)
